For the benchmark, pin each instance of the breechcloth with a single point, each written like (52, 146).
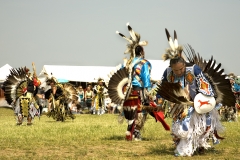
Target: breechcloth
(131, 107)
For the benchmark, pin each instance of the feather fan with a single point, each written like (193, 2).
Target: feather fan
(173, 92)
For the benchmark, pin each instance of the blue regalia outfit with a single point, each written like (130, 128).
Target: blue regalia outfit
(129, 85)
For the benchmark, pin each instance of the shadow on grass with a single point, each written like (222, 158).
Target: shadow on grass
(114, 138)
(122, 137)
(211, 151)
(54, 121)
(161, 149)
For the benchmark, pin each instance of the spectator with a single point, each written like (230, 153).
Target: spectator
(81, 96)
(89, 97)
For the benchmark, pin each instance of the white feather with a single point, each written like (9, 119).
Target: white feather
(132, 33)
(130, 41)
(171, 43)
(120, 87)
(112, 72)
(176, 43)
(143, 43)
(127, 50)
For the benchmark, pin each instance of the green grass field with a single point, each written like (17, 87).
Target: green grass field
(98, 137)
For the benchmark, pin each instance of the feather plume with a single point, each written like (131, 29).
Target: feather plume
(134, 41)
(143, 43)
(175, 50)
(175, 40)
(132, 33)
(130, 41)
(170, 41)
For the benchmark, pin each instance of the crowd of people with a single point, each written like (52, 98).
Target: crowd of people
(192, 92)
(91, 100)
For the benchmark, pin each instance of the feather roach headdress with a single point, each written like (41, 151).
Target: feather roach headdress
(51, 79)
(133, 42)
(175, 50)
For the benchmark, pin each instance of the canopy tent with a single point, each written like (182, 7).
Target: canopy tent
(158, 67)
(4, 72)
(77, 73)
(92, 73)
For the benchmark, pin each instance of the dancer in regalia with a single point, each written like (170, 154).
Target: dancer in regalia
(20, 89)
(196, 87)
(98, 100)
(60, 97)
(130, 85)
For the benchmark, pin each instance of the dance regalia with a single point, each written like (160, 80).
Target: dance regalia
(20, 89)
(64, 95)
(130, 84)
(195, 94)
(99, 91)
(231, 113)
(132, 106)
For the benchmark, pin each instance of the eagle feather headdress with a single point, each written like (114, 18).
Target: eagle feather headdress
(175, 50)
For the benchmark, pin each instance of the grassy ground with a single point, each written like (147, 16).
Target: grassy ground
(98, 137)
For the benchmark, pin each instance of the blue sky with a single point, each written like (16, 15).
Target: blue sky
(60, 32)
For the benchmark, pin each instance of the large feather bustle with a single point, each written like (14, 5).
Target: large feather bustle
(14, 84)
(215, 76)
(175, 50)
(70, 92)
(115, 84)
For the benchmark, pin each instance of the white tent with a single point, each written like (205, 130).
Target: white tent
(77, 73)
(158, 67)
(4, 72)
(92, 73)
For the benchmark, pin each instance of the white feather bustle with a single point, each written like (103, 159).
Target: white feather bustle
(120, 86)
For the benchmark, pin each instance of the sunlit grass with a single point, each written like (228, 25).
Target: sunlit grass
(97, 137)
